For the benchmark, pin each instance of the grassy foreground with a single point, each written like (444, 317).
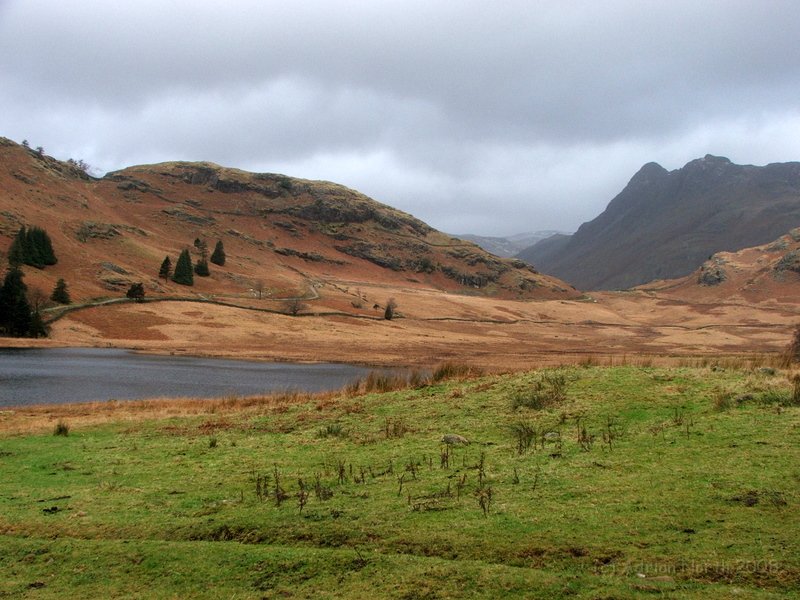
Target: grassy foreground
(583, 483)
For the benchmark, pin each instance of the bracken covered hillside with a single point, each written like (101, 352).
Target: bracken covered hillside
(281, 235)
(766, 273)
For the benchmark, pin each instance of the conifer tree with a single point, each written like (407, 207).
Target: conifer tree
(201, 268)
(32, 249)
(37, 328)
(16, 253)
(60, 293)
(16, 317)
(166, 268)
(183, 269)
(218, 256)
(43, 246)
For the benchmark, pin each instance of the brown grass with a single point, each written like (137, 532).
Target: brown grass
(36, 419)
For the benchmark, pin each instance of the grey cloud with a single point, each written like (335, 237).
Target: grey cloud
(471, 115)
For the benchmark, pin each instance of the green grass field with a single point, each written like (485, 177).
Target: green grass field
(623, 482)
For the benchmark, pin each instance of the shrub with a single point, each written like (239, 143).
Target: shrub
(548, 390)
(332, 430)
(723, 400)
(61, 428)
(391, 307)
(135, 292)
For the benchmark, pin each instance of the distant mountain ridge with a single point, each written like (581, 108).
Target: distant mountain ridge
(664, 224)
(511, 245)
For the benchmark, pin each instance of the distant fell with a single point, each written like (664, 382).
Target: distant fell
(665, 224)
(508, 246)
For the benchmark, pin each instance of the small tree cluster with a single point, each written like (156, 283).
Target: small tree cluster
(185, 269)
(32, 247)
(80, 165)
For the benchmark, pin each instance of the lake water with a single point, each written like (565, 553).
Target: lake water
(54, 376)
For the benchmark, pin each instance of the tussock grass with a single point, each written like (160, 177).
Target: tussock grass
(448, 370)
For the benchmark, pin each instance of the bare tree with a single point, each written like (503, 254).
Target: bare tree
(294, 306)
(258, 288)
(37, 299)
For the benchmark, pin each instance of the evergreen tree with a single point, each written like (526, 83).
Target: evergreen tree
(38, 328)
(218, 256)
(183, 269)
(201, 268)
(42, 245)
(16, 317)
(60, 293)
(16, 253)
(32, 249)
(166, 268)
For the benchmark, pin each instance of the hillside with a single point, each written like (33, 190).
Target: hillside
(766, 273)
(282, 236)
(666, 223)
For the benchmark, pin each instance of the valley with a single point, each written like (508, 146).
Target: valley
(342, 256)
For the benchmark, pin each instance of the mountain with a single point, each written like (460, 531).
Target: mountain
(283, 236)
(545, 249)
(509, 246)
(666, 223)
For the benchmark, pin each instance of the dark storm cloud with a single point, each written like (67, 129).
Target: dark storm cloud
(476, 116)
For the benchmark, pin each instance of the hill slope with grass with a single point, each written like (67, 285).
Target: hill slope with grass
(664, 224)
(575, 483)
(766, 273)
(281, 235)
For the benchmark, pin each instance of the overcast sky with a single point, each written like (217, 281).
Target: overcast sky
(478, 117)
